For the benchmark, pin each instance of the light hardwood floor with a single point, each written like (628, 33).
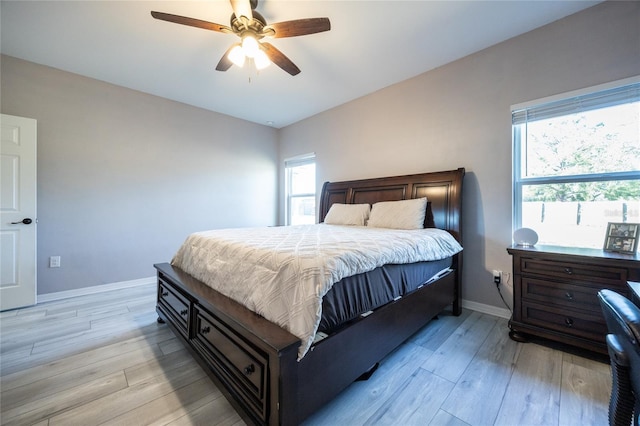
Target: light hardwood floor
(103, 359)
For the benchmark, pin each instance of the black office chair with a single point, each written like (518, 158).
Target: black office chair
(623, 324)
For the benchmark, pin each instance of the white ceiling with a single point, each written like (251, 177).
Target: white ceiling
(371, 45)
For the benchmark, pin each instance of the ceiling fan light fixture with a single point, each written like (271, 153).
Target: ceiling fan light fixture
(252, 28)
(261, 60)
(236, 55)
(250, 46)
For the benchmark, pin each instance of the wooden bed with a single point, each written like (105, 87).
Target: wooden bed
(254, 361)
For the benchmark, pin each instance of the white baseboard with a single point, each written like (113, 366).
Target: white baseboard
(48, 297)
(487, 309)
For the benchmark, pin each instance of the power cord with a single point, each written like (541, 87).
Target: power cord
(504, 301)
(497, 280)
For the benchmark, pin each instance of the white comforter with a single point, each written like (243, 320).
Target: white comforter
(282, 273)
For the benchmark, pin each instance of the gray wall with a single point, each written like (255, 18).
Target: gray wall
(124, 176)
(459, 116)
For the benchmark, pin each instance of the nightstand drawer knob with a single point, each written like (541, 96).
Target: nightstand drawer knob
(165, 293)
(184, 312)
(568, 322)
(205, 330)
(568, 271)
(568, 295)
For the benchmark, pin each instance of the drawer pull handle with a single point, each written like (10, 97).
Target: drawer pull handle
(568, 322)
(205, 330)
(568, 271)
(184, 312)
(165, 293)
(568, 296)
(249, 369)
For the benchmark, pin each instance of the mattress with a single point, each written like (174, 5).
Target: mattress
(282, 273)
(358, 294)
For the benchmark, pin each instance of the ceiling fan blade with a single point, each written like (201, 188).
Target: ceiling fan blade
(191, 22)
(225, 63)
(242, 8)
(278, 58)
(300, 27)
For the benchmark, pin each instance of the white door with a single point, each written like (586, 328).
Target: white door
(17, 212)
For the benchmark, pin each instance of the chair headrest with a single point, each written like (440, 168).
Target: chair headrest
(620, 309)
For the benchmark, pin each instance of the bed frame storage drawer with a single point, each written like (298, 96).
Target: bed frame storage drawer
(174, 304)
(235, 361)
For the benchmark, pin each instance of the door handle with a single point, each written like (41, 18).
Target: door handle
(25, 221)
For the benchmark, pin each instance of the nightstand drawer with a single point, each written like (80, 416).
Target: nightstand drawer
(561, 294)
(583, 272)
(577, 323)
(175, 304)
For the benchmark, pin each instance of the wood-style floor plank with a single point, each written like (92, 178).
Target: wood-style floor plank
(169, 407)
(154, 366)
(439, 330)
(98, 334)
(29, 335)
(451, 359)
(16, 320)
(360, 400)
(416, 402)
(103, 359)
(117, 403)
(70, 377)
(77, 396)
(581, 383)
(7, 314)
(56, 362)
(443, 418)
(217, 412)
(488, 373)
(533, 402)
(171, 345)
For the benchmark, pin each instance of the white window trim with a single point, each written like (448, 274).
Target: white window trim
(299, 160)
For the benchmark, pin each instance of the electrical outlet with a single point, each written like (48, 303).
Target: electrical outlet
(497, 277)
(54, 262)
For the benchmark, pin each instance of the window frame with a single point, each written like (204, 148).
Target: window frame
(290, 163)
(563, 104)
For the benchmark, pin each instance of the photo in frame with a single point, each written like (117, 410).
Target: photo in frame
(622, 237)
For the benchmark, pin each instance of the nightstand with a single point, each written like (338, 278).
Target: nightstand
(555, 292)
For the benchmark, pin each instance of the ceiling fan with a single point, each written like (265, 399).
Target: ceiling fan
(251, 27)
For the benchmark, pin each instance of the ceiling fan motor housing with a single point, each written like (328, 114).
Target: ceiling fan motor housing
(255, 26)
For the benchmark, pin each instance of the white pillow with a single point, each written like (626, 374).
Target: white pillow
(347, 214)
(403, 214)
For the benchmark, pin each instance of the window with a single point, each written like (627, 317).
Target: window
(576, 164)
(300, 177)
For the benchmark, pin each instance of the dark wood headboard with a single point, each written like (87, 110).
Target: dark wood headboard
(442, 189)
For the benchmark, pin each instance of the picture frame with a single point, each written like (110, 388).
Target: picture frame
(622, 237)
